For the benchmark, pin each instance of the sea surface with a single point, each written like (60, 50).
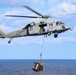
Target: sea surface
(24, 67)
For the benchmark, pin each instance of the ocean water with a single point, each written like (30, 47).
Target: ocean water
(24, 67)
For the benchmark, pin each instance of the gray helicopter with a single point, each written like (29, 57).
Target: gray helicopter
(43, 27)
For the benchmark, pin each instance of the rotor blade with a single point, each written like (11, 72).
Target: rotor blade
(22, 16)
(33, 11)
(66, 15)
(72, 14)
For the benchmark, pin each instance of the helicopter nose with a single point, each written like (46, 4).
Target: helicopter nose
(67, 27)
(71, 28)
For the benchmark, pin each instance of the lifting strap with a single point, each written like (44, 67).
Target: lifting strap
(42, 49)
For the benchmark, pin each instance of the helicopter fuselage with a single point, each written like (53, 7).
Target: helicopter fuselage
(43, 27)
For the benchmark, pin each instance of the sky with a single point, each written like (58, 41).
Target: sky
(63, 47)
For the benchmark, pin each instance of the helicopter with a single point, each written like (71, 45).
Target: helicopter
(42, 27)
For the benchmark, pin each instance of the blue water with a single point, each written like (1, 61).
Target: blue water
(24, 67)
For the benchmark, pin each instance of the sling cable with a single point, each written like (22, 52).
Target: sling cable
(38, 66)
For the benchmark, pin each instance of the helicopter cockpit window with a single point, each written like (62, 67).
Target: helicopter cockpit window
(61, 23)
(57, 23)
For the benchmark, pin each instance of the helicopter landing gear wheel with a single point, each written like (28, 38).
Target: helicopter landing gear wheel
(56, 35)
(9, 42)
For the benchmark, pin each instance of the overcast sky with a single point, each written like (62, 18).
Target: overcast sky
(64, 47)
